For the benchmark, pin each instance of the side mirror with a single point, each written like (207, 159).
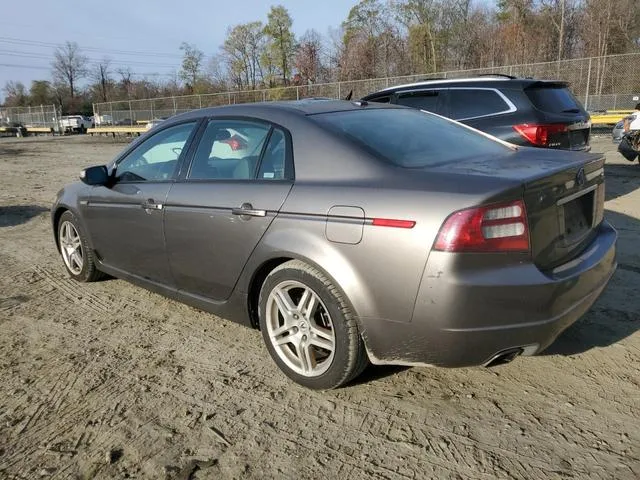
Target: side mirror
(95, 175)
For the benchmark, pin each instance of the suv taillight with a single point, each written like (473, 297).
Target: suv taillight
(493, 228)
(538, 135)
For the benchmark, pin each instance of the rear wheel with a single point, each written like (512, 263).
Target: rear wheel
(78, 258)
(308, 327)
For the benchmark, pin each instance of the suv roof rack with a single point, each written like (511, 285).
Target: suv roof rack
(496, 75)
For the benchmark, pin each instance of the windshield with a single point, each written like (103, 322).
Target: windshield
(410, 138)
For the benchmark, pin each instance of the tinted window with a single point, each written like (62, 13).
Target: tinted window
(157, 157)
(421, 100)
(229, 149)
(474, 103)
(553, 100)
(386, 99)
(273, 162)
(410, 138)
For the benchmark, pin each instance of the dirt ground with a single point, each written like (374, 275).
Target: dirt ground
(108, 380)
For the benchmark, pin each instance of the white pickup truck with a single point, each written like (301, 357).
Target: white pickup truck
(75, 123)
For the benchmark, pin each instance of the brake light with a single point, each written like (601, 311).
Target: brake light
(236, 143)
(539, 135)
(494, 228)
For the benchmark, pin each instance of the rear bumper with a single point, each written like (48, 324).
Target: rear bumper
(465, 315)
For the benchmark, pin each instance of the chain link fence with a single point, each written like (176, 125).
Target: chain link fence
(47, 116)
(601, 83)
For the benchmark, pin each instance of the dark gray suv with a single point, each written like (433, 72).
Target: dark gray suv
(521, 111)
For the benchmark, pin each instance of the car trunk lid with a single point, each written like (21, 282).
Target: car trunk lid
(563, 195)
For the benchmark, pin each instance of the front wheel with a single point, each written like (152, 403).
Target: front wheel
(78, 258)
(308, 327)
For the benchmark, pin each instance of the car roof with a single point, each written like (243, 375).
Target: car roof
(481, 81)
(310, 106)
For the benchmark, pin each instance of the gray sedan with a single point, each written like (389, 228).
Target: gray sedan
(349, 233)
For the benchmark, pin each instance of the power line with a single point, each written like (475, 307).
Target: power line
(36, 43)
(36, 67)
(94, 61)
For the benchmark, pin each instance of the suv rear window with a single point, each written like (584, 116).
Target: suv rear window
(471, 103)
(553, 99)
(410, 138)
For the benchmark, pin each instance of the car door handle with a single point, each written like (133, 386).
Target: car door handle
(150, 204)
(248, 210)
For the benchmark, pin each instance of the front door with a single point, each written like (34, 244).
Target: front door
(125, 219)
(215, 216)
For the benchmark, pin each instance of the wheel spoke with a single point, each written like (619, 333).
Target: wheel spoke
(322, 338)
(307, 304)
(77, 259)
(75, 242)
(307, 360)
(282, 334)
(284, 302)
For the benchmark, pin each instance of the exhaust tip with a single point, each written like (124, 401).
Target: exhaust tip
(504, 357)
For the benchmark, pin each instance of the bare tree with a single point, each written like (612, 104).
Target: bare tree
(69, 66)
(308, 60)
(101, 76)
(192, 61)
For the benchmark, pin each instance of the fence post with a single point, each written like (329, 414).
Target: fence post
(200, 99)
(174, 105)
(130, 111)
(44, 121)
(297, 93)
(339, 92)
(586, 95)
(229, 94)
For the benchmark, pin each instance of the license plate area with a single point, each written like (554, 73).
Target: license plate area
(578, 138)
(577, 214)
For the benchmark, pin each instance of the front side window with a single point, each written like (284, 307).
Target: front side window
(475, 103)
(425, 100)
(236, 150)
(156, 158)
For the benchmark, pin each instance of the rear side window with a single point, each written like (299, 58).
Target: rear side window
(385, 99)
(427, 101)
(553, 100)
(410, 138)
(475, 103)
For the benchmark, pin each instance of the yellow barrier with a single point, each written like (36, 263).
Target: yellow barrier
(606, 119)
(39, 130)
(133, 129)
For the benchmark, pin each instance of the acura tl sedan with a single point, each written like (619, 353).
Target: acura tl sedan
(349, 233)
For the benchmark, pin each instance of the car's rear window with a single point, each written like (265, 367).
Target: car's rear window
(553, 100)
(410, 138)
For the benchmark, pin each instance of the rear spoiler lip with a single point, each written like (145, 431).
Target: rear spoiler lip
(547, 84)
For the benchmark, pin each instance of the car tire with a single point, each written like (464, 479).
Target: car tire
(316, 342)
(77, 256)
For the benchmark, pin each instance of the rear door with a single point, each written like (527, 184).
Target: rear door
(217, 212)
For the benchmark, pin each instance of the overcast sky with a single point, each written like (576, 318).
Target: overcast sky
(144, 34)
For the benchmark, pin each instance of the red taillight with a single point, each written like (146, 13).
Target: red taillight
(494, 228)
(236, 143)
(539, 134)
(390, 222)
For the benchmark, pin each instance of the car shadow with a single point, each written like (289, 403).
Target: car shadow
(621, 179)
(13, 215)
(377, 372)
(616, 315)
